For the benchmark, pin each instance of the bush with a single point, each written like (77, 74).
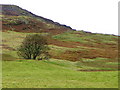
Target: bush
(33, 46)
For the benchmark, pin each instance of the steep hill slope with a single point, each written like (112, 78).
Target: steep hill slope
(18, 19)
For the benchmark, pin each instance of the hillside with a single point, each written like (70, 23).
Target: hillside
(18, 19)
(79, 59)
(88, 49)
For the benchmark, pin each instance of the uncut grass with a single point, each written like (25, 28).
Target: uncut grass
(44, 74)
(84, 37)
(97, 64)
(14, 39)
(49, 74)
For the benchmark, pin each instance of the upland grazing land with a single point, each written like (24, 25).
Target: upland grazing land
(78, 59)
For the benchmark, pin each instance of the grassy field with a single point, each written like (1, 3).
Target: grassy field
(54, 74)
(60, 71)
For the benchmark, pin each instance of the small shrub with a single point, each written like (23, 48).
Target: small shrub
(33, 46)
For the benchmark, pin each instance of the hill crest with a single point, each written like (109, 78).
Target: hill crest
(14, 11)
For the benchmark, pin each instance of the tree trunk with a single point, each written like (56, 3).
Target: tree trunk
(34, 57)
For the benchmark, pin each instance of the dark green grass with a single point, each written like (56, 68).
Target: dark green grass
(53, 74)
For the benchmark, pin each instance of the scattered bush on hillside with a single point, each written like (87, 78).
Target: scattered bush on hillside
(33, 46)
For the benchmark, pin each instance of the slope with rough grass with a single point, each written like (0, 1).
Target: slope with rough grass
(96, 56)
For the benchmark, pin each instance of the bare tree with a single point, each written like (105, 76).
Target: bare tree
(33, 46)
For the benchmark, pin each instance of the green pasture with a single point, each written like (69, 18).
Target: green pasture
(53, 74)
